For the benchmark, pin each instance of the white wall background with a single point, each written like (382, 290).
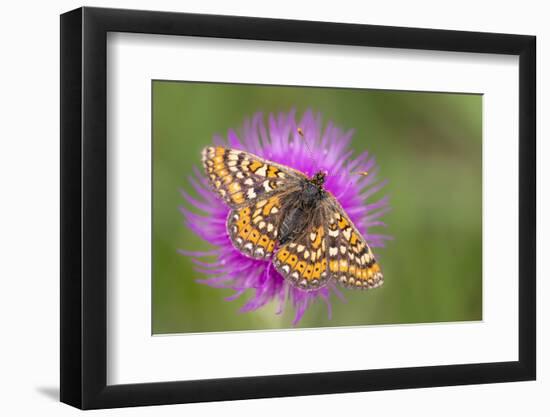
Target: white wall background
(29, 226)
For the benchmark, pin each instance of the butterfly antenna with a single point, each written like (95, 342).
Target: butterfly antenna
(301, 133)
(361, 173)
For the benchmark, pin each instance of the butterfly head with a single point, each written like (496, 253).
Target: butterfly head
(319, 179)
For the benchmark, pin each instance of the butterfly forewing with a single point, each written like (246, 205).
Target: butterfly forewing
(350, 259)
(241, 178)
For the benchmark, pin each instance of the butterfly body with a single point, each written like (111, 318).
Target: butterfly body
(280, 214)
(299, 205)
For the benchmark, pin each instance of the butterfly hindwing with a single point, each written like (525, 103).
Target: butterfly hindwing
(240, 177)
(351, 262)
(303, 260)
(253, 228)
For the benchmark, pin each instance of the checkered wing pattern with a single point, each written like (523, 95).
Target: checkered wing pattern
(253, 228)
(350, 260)
(242, 178)
(303, 261)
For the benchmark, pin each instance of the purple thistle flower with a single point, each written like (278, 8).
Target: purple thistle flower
(280, 141)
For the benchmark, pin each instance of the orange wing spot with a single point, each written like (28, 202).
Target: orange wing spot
(219, 150)
(370, 273)
(317, 242)
(218, 159)
(228, 179)
(282, 254)
(238, 198)
(272, 172)
(342, 223)
(264, 241)
(234, 187)
(324, 265)
(300, 267)
(245, 231)
(271, 246)
(222, 173)
(364, 273)
(353, 239)
(254, 166)
(273, 201)
(219, 166)
(292, 259)
(309, 271)
(333, 266)
(375, 267)
(254, 236)
(352, 270)
(243, 221)
(316, 270)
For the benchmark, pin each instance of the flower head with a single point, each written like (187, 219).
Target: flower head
(304, 146)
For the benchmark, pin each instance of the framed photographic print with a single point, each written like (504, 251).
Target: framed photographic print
(258, 207)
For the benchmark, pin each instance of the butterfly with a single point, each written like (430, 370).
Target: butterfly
(280, 214)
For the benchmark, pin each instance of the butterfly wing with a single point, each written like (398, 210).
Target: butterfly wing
(253, 228)
(254, 188)
(350, 259)
(241, 178)
(303, 261)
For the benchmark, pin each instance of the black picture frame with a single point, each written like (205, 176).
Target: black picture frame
(84, 207)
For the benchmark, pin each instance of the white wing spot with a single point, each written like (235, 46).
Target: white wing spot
(262, 171)
(347, 233)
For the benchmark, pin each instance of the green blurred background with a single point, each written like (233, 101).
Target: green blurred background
(428, 145)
